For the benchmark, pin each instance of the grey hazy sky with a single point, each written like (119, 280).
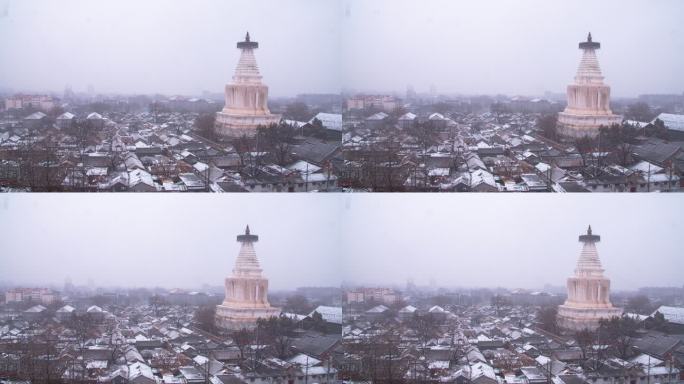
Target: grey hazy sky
(512, 46)
(165, 240)
(167, 46)
(513, 240)
(482, 240)
(465, 46)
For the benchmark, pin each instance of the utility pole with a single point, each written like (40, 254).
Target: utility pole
(306, 371)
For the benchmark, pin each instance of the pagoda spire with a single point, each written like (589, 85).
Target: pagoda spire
(589, 70)
(247, 262)
(247, 70)
(589, 263)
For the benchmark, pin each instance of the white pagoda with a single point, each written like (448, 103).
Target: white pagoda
(588, 291)
(588, 98)
(246, 289)
(246, 97)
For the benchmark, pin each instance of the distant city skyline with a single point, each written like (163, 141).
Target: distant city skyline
(467, 47)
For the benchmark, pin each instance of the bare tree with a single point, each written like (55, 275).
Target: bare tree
(425, 327)
(278, 139)
(242, 339)
(278, 332)
(546, 316)
(243, 146)
(426, 135)
(585, 146)
(205, 316)
(548, 126)
(585, 340)
(619, 331)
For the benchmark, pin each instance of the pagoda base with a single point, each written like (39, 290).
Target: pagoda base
(232, 318)
(575, 126)
(232, 126)
(578, 318)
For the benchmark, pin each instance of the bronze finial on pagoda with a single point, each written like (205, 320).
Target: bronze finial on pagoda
(589, 44)
(247, 237)
(248, 43)
(589, 237)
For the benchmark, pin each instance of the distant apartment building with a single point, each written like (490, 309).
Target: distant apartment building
(41, 102)
(33, 295)
(197, 105)
(386, 103)
(380, 295)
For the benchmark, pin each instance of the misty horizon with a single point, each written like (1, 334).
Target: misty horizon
(328, 239)
(466, 48)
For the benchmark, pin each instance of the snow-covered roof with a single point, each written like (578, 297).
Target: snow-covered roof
(303, 167)
(542, 167)
(94, 309)
(200, 166)
(66, 309)
(138, 176)
(481, 176)
(439, 364)
(36, 309)
(439, 172)
(645, 360)
(542, 360)
(332, 121)
(377, 116)
(636, 316)
(646, 167)
(303, 360)
(96, 364)
(329, 314)
(295, 123)
(66, 116)
(637, 124)
(293, 316)
(138, 369)
(672, 121)
(132, 161)
(97, 171)
(671, 314)
(482, 369)
(408, 116)
(94, 116)
(377, 309)
(408, 309)
(35, 116)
